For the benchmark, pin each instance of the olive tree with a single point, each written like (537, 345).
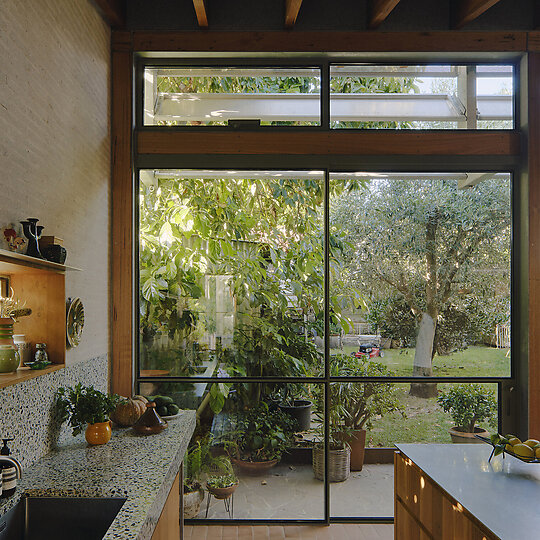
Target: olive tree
(429, 242)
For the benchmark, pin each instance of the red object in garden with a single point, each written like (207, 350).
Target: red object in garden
(368, 351)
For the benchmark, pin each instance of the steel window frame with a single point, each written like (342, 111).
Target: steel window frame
(332, 164)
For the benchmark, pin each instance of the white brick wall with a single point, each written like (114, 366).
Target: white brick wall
(54, 141)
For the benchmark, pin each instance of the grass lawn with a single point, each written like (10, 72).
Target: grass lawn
(424, 421)
(472, 362)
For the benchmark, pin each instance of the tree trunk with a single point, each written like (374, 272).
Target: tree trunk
(422, 366)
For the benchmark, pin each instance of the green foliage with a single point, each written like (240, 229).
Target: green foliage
(468, 404)
(222, 481)
(439, 249)
(200, 461)
(368, 85)
(260, 434)
(353, 405)
(84, 405)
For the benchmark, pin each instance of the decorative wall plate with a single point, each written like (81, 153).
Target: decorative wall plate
(74, 321)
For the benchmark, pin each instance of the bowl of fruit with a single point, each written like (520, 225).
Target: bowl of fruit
(165, 406)
(527, 451)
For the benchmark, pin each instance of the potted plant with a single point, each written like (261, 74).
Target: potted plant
(259, 440)
(468, 404)
(200, 463)
(339, 458)
(222, 486)
(86, 407)
(355, 404)
(295, 405)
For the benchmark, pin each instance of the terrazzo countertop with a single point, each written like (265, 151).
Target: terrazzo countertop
(140, 468)
(502, 494)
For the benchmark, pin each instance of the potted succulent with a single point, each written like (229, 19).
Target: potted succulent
(86, 407)
(468, 404)
(259, 440)
(353, 405)
(357, 403)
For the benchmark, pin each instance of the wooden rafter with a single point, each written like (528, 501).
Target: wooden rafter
(113, 11)
(468, 10)
(292, 7)
(200, 11)
(379, 10)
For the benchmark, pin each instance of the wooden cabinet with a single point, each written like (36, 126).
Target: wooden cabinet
(41, 284)
(424, 511)
(169, 526)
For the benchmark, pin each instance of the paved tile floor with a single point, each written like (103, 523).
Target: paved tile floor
(275, 532)
(291, 492)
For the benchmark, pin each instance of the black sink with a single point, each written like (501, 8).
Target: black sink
(59, 518)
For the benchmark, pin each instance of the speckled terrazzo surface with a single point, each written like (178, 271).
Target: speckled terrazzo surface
(140, 468)
(28, 414)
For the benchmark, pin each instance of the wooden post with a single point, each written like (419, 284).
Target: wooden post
(533, 91)
(122, 215)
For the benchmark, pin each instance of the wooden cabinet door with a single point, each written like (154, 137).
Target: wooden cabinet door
(406, 527)
(168, 526)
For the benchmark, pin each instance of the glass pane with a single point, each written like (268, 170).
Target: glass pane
(421, 97)
(231, 273)
(428, 259)
(253, 438)
(216, 96)
(389, 414)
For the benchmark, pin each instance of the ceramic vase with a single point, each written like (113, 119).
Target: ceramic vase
(98, 433)
(9, 355)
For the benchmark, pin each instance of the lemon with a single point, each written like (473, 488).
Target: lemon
(523, 451)
(509, 448)
(531, 442)
(537, 451)
(514, 440)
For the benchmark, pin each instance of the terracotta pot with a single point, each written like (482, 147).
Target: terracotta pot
(254, 468)
(192, 503)
(99, 433)
(465, 437)
(357, 442)
(222, 493)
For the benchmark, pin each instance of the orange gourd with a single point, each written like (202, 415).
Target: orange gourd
(128, 411)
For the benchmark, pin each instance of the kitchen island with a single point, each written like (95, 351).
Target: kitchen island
(451, 491)
(141, 469)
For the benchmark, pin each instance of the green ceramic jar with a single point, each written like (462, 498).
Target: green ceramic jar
(9, 358)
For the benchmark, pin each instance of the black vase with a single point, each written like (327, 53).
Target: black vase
(32, 231)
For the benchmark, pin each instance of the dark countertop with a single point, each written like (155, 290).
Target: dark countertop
(503, 495)
(140, 468)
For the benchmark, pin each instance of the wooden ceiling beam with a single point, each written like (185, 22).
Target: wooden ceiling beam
(200, 11)
(469, 10)
(379, 11)
(292, 7)
(342, 42)
(112, 11)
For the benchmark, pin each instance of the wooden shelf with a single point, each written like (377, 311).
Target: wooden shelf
(10, 258)
(8, 379)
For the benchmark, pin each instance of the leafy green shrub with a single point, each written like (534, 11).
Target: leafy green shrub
(468, 404)
(260, 434)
